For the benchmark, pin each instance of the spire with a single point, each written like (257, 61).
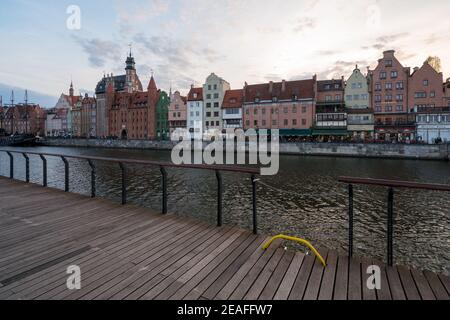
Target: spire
(71, 89)
(152, 84)
(26, 97)
(130, 63)
(12, 98)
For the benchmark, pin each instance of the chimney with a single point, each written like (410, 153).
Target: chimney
(416, 69)
(283, 86)
(271, 86)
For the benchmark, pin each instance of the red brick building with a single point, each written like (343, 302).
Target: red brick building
(446, 91)
(389, 92)
(424, 88)
(132, 115)
(24, 119)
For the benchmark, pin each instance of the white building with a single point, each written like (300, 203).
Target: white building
(433, 124)
(195, 112)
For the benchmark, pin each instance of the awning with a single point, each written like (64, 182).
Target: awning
(330, 132)
(295, 132)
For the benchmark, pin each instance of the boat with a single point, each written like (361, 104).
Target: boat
(18, 140)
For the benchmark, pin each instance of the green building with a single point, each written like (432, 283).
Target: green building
(162, 117)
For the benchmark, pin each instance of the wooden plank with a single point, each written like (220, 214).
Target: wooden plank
(384, 293)
(263, 278)
(329, 277)
(436, 285)
(341, 284)
(354, 280)
(301, 282)
(240, 275)
(315, 280)
(408, 284)
(446, 282)
(395, 284)
(422, 285)
(367, 294)
(286, 285)
(278, 275)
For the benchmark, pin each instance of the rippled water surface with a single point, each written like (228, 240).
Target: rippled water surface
(303, 200)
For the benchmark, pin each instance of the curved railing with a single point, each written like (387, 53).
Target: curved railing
(218, 169)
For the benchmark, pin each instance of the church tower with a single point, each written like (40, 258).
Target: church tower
(131, 83)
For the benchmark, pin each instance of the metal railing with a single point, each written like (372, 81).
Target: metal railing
(218, 169)
(390, 184)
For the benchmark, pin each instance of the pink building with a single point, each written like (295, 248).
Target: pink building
(177, 112)
(389, 94)
(286, 105)
(424, 88)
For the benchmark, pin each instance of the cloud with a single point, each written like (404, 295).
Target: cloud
(141, 10)
(341, 68)
(392, 38)
(99, 51)
(305, 23)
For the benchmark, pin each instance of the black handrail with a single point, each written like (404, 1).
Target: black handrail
(122, 162)
(391, 184)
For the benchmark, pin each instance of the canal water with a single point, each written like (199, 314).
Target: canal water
(304, 199)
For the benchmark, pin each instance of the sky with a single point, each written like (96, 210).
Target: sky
(183, 41)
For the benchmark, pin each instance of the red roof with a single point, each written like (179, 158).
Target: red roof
(287, 90)
(233, 99)
(191, 95)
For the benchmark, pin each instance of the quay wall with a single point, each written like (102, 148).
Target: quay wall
(398, 151)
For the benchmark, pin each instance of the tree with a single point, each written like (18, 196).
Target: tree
(434, 62)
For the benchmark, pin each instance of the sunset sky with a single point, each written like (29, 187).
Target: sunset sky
(185, 40)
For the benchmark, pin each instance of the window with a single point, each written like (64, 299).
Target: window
(360, 85)
(383, 75)
(216, 96)
(356, 97)
(378, 87)
(425, 83)
(432, 94)
(216, 104)
(208, 114)
(216, 114)
(217, 123)
(388, 86)
(255, 123)
(247, 111)
(264, 122)
(364, 97)
(197, 113)
(420, 94)
(209, 87)
(349, 97)
(388, 63)
(263, 110)
(286, 122)
(208, 105)
(336, 86)
(388, 108)
(294, 109)
(215, 87)
(207, 123)
(285, 110)
(208, 96)
(337, 97)
(294, 122)
(388, 98)
(328, 98)
(378, 98)
(274, 99)
(394, 74)
(247, 123)
(274, 122)
(303, 109)
(304, 122)
(399, 97)
(255, 112)
(399, 108)
(378, 108)
(399, 86)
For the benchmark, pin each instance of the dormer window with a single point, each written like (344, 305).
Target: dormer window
(388, 63)
(195, 96)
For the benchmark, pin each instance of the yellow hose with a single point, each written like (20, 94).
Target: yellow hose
(298, 240)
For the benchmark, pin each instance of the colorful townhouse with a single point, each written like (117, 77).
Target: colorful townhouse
(360, 117)
(162, 116)
(331, 115)
(288, 106)
(26, 118)
(195, 106)
(424, 88)
(232, 109)
(213, 93)
(389, 91)
(177, 112)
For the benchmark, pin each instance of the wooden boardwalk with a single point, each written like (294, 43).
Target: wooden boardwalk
(127, 252)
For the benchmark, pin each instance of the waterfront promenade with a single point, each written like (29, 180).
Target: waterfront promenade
(128, 252)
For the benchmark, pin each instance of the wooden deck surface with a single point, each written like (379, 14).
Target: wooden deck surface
(127, 252)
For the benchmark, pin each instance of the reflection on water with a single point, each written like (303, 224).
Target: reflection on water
(303, 200)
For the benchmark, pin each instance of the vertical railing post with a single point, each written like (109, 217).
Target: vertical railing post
(11, 165)
(219, 198)
(350, 220)
(255, 217)
(91, 164)
(164, 190)
(27, 167)
(390, 228)
(44, 170)
(124, 183)
(66, 174)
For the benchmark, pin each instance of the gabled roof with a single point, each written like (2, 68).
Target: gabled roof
(198, 91)
(233, 99)
(299, 89)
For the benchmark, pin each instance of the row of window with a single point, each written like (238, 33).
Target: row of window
(212, 123)
(389, 85)
(208, 96)
(275, 122)
(216, 114)
(355, 97)
(331, 117)
(294, 109)
(383, 75)
(434, 118)
(216, 105)
(423, 94)
(389, 108)
(389, 97)
(212, 87)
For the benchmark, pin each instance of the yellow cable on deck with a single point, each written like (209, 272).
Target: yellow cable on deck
(301, 241)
